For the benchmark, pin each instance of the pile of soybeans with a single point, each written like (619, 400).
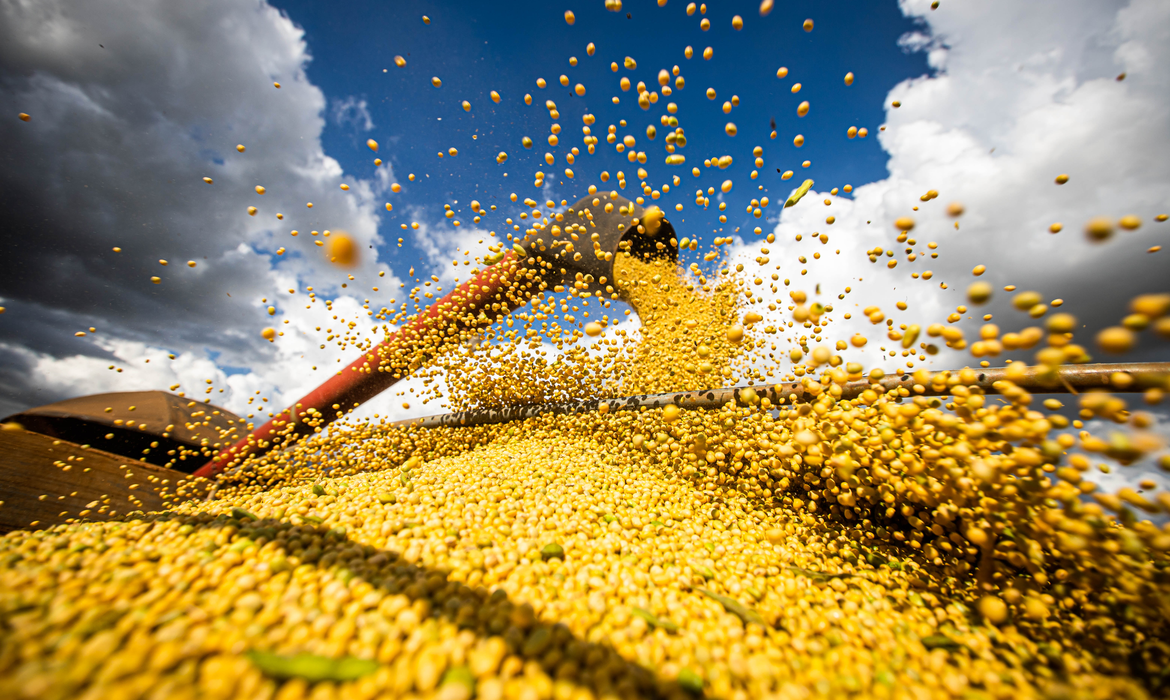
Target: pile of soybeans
(876, 547)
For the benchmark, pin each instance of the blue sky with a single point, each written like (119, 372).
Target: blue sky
(475, 48)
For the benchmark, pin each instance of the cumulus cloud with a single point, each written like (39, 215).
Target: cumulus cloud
(1020, 93)
(354, 113)
(132, 106)
(443, 244)
(1157, 432)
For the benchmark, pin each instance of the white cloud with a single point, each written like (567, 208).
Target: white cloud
(914, 41)
(1024, 91)
(132, 105)
(443, 244)
(144, 368)
(1144, 469)
(354, 113)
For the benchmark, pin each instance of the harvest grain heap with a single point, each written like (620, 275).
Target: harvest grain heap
(881, 545)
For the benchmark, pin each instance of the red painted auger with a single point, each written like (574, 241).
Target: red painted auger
(548, 260)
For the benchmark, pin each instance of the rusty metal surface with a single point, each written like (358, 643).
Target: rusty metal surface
(563, 251)
(1068, 379)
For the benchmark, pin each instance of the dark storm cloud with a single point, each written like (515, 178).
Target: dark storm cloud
(132, 104)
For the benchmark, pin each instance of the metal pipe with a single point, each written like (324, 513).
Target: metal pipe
(1066, 379)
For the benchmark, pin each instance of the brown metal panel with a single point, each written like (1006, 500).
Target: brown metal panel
(44, 481)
